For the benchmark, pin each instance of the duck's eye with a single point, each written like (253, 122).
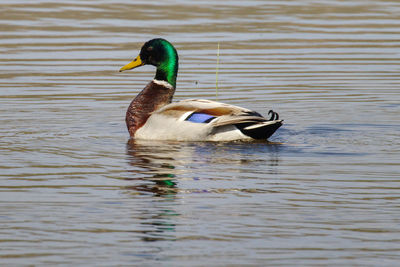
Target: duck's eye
(150, 48)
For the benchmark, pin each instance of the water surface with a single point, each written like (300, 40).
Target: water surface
(325, 190)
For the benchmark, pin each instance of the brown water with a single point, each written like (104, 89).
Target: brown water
(74, 191)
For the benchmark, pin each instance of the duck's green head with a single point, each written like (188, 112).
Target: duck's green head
(161, 54)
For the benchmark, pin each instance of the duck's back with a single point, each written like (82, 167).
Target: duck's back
(205, 120)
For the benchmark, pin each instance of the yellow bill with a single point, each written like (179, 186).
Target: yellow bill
(137, 62)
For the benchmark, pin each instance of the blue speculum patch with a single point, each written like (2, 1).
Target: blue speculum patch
(200, 117)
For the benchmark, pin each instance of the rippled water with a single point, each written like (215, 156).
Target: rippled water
(325, 190)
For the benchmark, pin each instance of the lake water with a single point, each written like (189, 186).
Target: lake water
(324, 191)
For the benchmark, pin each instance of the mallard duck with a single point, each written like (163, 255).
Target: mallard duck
(152, 116)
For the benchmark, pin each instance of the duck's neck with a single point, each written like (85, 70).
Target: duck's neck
(168, 69)
(167, 76)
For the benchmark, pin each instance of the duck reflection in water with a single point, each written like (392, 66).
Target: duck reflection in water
(162, 171)
(158, 166)
(153, 175)
(155, 162)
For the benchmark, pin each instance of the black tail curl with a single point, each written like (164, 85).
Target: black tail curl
(274, 115)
